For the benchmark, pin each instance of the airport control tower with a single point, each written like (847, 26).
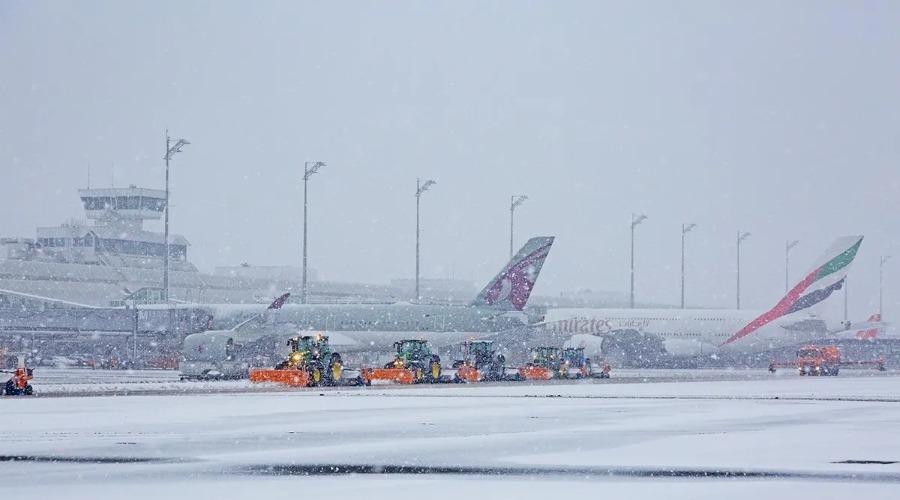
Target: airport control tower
(117, 236)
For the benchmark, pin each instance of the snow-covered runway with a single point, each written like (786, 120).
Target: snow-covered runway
(821, 437)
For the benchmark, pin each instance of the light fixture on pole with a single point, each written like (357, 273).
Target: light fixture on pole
(685, 229)
(171, 149)
(788, 245)
(421, 187)
(309, 168)
(740, 237)
(635, 220)
(514, 201)
(884, 258)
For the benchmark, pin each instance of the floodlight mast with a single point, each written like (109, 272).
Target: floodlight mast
(685, 229)
(309, 168)
(741, 236)
(171, 149)
(421, 187)
(636, 219)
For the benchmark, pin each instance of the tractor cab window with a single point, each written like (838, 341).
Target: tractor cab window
(414, 350)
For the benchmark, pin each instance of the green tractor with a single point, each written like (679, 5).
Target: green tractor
(313, 355)
(547, 357)
(479, 362)
(416, 356)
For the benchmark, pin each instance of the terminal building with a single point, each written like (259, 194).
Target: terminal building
(79, 279)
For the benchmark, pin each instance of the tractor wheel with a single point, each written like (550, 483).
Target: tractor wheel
(418, 373)
(29, 390)
(434, 373)
(10, 388)
(335, 370)
(315, 374)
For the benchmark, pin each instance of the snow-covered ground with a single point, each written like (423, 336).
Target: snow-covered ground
(749, 436)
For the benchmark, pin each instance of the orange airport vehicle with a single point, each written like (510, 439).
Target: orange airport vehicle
(310, 363)
(826, 360)
(18, 384)
(545, 364)
(413, 363)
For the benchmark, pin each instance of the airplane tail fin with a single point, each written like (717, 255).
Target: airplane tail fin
(274, 306)
(871, 333)
(509, 290)
(827, 275)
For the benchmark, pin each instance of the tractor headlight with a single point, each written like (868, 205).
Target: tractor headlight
(296, 357)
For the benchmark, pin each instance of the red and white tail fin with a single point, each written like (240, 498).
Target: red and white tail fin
(826, 277)
(871, 333)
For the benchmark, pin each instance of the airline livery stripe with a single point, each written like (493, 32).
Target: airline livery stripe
(795, 300)
(839, 262)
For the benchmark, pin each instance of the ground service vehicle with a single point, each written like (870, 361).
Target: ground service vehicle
(544, 365)
(18, 384)
(576, 365)
(816, 360)
(413, 363)
(479, 362)
(310, 363)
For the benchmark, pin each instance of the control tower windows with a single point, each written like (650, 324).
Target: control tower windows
(128, 202)
(97, 202)
(142, 249)
(155, 204)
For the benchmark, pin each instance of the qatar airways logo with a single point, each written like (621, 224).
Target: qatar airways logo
(516, 283)
(596, 326)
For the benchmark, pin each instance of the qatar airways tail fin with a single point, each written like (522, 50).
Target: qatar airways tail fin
(509, 290)
(827, 275)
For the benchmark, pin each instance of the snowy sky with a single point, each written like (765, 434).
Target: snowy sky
(777, 118)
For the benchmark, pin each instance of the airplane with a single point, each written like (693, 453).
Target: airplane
(370, 327)
(695, 333)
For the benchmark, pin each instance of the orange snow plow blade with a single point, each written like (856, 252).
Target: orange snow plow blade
(468, 374)
(532, 372)
(293, 378)
(398, 375)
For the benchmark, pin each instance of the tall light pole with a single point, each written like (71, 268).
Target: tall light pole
(685, 229)
(309, 168)
(514, 201)
(421, 187)
(171, 149)
(635, 220)
(884, 258)
(788, 245)
(741, 236)
(846, 299)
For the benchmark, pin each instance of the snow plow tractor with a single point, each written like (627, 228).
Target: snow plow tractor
(413, 363)
(545, 364)
(310, 363)
(18, 384)
(480, 363)
(576, 365)
(817, 360)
